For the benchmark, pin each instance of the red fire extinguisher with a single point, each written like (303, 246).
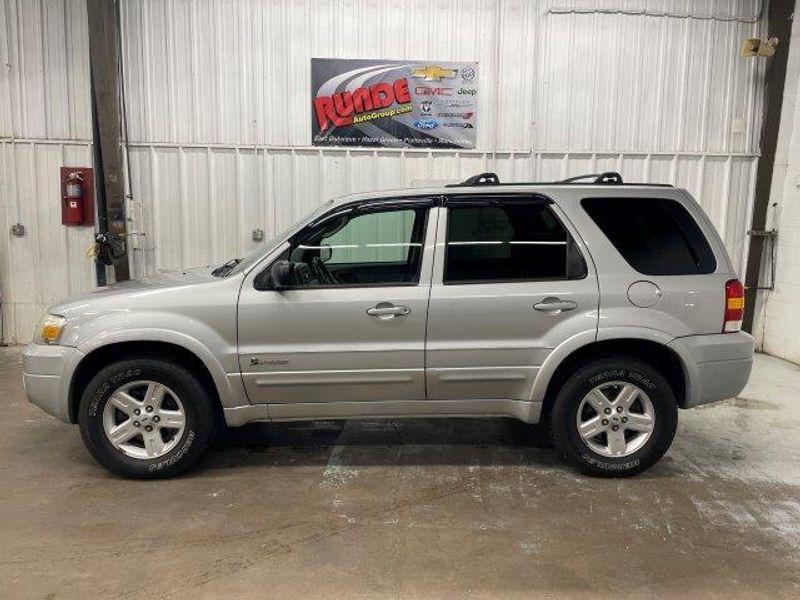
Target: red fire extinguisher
(73, 198)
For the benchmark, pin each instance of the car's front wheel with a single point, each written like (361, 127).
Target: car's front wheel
(146, 418)
(614, 417)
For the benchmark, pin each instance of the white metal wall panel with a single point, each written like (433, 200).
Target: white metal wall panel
(49, 263)
(44, 81)
(198, 205)
(218, 96)
(238, 73)
(45, 123)
(633, 82)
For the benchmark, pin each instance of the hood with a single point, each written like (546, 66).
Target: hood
(136, 289)
(165, 279)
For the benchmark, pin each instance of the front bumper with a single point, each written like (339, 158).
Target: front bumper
(46, 375)
(717, 366)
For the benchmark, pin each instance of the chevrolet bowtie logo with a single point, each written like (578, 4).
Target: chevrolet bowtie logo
(431, 73)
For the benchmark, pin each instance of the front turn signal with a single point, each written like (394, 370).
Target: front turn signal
(50, 328)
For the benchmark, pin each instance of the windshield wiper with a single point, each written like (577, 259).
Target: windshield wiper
(226, 268)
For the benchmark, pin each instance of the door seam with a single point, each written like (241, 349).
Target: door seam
(428, 303)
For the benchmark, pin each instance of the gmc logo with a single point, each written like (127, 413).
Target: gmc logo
(424, 90)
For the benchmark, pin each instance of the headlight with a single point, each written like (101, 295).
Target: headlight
(50, 329)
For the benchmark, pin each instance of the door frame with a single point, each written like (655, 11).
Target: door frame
(303, 410)
(529, 374)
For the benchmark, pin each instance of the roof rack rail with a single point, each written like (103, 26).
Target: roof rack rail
(605, 178)
(608, 177)
(480, 179)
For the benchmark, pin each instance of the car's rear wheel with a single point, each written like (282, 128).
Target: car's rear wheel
(614, 417)
(146, 418)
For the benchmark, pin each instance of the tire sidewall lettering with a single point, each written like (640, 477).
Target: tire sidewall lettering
(114, 380)
(176, 456)
(607, 466)
(621, 374)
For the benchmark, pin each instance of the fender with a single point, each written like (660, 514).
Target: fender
(688, 362)
(228, 383)
(580, 340)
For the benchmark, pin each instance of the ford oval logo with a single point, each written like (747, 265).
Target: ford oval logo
(426, 124)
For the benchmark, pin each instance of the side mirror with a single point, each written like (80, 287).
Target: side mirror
(281, 274)
(325, 253)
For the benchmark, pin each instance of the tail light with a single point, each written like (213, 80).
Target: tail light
(734, 306)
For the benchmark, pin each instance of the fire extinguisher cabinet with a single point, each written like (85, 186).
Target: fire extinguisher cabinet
(77, 196)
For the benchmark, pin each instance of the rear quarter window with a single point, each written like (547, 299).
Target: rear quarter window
(656, 236)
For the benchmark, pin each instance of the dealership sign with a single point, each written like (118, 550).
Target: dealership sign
(395, 104)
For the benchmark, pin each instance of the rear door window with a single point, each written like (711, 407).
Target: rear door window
(499, 240)
(656, 236)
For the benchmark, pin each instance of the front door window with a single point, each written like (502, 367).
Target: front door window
(381, 248)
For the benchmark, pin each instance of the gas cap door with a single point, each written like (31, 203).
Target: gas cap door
(644, 294)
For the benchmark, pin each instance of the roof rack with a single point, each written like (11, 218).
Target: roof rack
(609, 178)
(605, 178)
(482, 179)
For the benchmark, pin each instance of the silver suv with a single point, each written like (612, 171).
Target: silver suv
(597, 308)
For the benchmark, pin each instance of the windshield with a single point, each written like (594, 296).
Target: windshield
(237, 265)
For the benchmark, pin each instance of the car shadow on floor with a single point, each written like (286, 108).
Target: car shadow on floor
(417, 441)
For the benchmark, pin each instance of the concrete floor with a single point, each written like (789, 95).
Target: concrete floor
(409, 509)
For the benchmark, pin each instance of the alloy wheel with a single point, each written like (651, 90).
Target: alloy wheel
(144, 419)
(616, 419)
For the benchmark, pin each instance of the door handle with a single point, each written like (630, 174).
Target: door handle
(555, 305)
(387, 310)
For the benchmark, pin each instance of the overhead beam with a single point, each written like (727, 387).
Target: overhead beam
(104, 56)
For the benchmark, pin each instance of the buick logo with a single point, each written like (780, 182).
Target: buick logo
(425, 106)
(467, 73)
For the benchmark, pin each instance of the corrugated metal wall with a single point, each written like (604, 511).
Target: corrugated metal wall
(220, 119)
(219, 112)
(45, 123)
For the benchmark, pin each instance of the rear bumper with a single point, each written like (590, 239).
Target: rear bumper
(46, 375)
(716, 366)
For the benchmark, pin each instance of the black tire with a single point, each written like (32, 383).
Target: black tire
(198, 431)
(564, 414)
